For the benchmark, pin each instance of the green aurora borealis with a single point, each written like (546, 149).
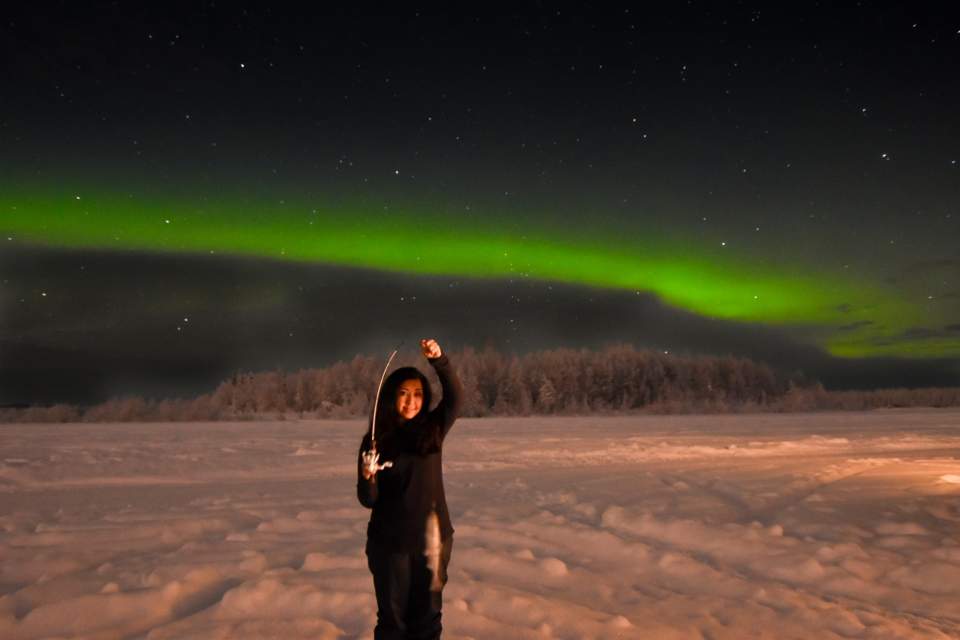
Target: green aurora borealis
(188, 192)
(847, 317)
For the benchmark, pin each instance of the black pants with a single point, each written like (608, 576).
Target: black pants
(409, 596)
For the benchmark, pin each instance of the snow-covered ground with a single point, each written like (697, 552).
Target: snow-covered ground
(751, 526)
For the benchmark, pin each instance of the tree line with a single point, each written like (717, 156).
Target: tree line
(617, 379)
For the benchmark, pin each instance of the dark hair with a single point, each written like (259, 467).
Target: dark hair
(388, 420)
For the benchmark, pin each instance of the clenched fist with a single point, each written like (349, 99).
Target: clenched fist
(431, 350)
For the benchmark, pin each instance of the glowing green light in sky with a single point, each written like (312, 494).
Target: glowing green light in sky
(849, 318)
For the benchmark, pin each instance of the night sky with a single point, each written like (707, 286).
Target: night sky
(185, 192)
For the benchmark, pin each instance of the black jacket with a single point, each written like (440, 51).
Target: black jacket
(403, 496)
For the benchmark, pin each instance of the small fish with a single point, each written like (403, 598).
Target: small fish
(432, 550)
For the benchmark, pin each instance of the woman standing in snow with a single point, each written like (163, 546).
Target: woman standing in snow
(409, 537)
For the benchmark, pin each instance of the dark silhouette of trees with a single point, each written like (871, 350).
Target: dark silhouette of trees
(616, 379)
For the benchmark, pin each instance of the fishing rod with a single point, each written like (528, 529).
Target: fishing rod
(371, 458)
(376, 400)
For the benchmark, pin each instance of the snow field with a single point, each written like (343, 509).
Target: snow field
(795, 526)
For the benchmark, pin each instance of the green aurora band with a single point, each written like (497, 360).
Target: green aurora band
(847, 318)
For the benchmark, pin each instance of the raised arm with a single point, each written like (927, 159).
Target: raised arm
(449, 408)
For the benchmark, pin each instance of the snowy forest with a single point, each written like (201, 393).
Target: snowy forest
(617, 379)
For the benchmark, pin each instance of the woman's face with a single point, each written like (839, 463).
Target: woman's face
(409, 398)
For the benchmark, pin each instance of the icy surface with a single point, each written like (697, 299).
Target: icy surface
(797, 526)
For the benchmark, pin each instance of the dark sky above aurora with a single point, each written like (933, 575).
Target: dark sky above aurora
(187, 192)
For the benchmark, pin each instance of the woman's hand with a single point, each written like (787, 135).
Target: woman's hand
(371, 464)
(431, 350)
